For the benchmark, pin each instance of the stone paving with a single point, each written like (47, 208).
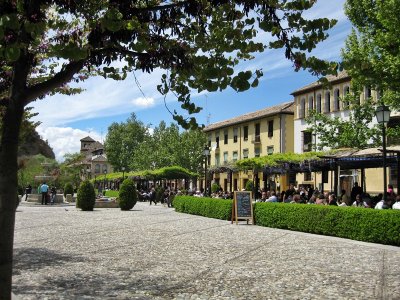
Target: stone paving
(153, 252)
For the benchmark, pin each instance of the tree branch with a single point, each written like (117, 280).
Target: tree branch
(62, 77)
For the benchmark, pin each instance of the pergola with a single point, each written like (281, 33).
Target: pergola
(342, 159)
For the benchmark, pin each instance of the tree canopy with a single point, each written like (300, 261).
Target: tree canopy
(372, 52)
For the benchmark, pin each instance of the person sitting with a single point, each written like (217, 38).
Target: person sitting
(264, 197)
(332, 200)
(272, 198)
(396, 205)
(358, 202)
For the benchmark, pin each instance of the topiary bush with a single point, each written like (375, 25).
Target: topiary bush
(249, 186)
(215, 187)
(68, 189)
(86, 197)
(127, 195)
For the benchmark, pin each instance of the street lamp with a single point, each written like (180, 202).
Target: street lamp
(123, 173)
(105, 178)
(206, 152)
(382, 114)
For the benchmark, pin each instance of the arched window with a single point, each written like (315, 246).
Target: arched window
(104, 168)
(310, 103)
(97, 168)
(336, 96)
(302, 108)
(346, 91)
(327, 101)
(319, 103)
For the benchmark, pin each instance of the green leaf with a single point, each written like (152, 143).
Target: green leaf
(12, 53)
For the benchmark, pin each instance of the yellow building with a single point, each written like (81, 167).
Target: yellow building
(329, 100)
(255, 134)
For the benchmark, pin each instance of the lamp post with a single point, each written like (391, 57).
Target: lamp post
(123, 173)
(382, 114)
(206, 152)
(105, 179)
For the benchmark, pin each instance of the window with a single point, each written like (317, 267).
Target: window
(209, 140)
(270, 150)
(393, 176)
(235, 156)
(217, 138)
(257, 132)
(307, 176)
(104, 168)
(367, 93)
(310, 103)
(302, 108)
(225, 137)
(271, 128)
(245, 153)
(217, 159)
(245, 133)
(225, 158)
(307, 141)
(235, 135)
(257, 152)
(319, 103)
(327, 102)
(336, 97)
(97, 168)
(346, 91)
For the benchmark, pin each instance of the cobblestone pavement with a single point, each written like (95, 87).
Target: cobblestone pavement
(152, 252)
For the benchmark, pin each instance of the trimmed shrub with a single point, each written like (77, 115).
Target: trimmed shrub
(68, 189)
(368, 225)
(86, 197)
(215, 187)
(249, 186)
(127, 195)
(207, 207)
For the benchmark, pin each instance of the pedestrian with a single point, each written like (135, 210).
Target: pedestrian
(28, 191)
(53, 195)
(152, 196)
(44, 189)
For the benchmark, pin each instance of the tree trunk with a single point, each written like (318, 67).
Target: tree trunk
(8, 193)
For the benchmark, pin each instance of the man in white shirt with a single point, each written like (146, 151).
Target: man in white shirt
(272, 198)
(396, 205)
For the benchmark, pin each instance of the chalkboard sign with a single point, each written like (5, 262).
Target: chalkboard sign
(243, 207)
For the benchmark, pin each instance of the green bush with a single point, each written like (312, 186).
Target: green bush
(127, 195)
(249, 186)
(207, 207)
(215, 187)
(111, 193)
(86, 197)
(68, 189)
(369, 225)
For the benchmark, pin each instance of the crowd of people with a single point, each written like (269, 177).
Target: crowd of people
(308, 195)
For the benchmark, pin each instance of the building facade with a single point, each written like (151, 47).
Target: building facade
(255, 134)
(329, 100)
(95, 164)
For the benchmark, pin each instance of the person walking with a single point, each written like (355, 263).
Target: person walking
(53, 195)
(44, 189)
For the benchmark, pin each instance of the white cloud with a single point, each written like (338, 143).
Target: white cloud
(143, 102)
(65, 140)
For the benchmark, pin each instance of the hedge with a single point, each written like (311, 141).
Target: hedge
(368, 225)
(111, 193)
(362, 224)
(207, 207)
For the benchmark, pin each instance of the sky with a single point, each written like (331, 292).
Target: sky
(67, 119)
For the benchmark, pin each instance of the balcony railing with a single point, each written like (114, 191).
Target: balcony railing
(256, 140)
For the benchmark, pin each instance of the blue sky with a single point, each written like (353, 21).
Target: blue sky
(67, 119)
